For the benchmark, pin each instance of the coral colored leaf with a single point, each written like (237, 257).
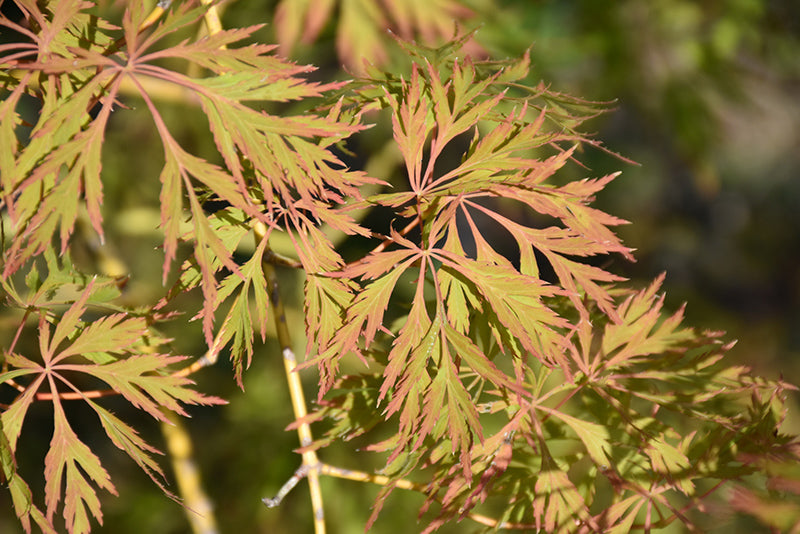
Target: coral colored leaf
(629, 508)
(557, 501)
(67, 323)
(128, 440)
(325, 303)
(110, 334)
(14, 415)
(141, 380)
(69, 458)
(300, 21)
(363, 23)
(417, 342)
(666, 459)
(465, 349)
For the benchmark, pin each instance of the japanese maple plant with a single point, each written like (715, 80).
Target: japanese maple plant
(457, 299)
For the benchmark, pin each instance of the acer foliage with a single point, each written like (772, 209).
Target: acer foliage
(521, 384)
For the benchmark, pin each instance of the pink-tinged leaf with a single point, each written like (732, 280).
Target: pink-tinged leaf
(371, 303)
(66, 324)
(417, 343)
(13, 417)
(667, 460)
(25, 509)
(642, 330)
(359, 35)
(411, 124)
(300, 21)
(326, 300)
(141, 381)
(109, 334)
(314, 249)
(238, 323)
(629, 508)
(459, 297)
(462, 421)
(208, 249)
(170, 201)
(69, 456)
(9, 121)
(128, 440)
(430, 19)
(557, 501)
(378, 264)
(576, 277)
(465, 349)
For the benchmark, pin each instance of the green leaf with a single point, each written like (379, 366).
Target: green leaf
(595, 437)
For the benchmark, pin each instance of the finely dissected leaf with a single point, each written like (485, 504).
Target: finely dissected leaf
(238, 323)
(128, 440)
(69, 456)
(591, 387)
(110, 345)
(430, 353)
(594, 436)
(326, 300)
(141, 381)
(14, 415)
(278, 169)
(113, 333)
(558, 503)
(669, 461)
(20, 492)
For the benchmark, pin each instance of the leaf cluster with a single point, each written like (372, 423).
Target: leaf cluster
(507, 372)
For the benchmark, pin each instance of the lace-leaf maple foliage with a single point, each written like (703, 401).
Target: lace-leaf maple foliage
(536, 395)
(528, 390)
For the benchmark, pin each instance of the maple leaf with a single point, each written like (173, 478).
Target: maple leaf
(105, 349)
(278, 169)
(432, 347)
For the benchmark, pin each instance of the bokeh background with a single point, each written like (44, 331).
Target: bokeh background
(707, 101)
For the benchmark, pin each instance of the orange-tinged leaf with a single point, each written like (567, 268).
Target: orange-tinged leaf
(667, 460)
(629, 508)
(109, 334)
(69, 456)
(128, 440)
(359, 36)
(557, 501)
(13, 416)
(141, 381)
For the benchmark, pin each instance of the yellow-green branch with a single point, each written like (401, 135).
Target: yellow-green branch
(310, 459)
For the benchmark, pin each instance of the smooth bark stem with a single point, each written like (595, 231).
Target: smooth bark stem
(310, 459)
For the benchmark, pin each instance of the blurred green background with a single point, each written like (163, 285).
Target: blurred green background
(707, 98)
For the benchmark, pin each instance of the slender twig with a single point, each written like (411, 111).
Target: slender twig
(310, 460)
(382, 480)
(361, 476)
(299, 474)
